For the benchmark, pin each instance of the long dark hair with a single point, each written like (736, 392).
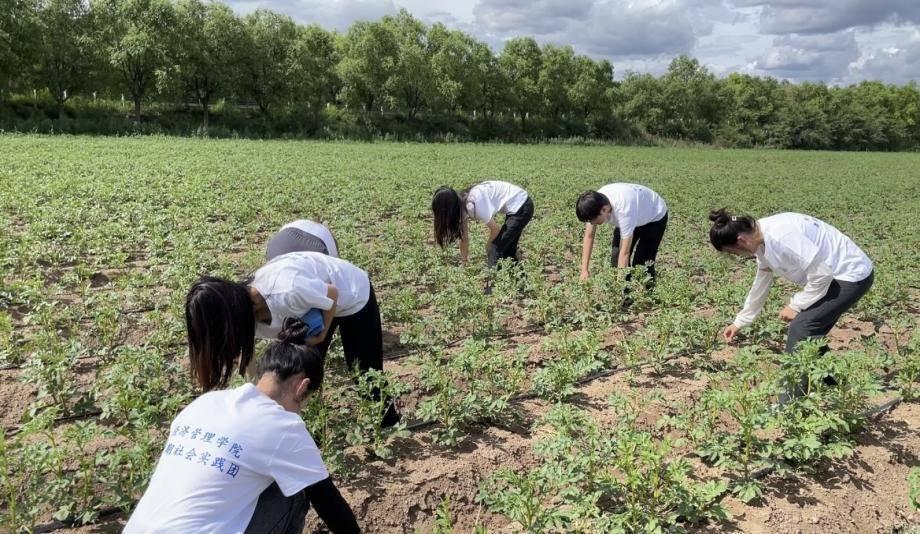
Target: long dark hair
(290, 355)
(221, 327)
(726, 227)
(448, 209)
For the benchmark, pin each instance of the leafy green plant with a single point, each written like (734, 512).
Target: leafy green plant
(374, 391)
(141, 387)
(327, 422)
(575, 356)
(475, 385)
(51, 369)
(598, 479)
(820, 418)
(743, 394)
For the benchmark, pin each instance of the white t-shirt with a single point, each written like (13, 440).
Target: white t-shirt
(486, 199)
(293, 283)
(224, 449)
(792, 241)
(319, 230)
(633, 205)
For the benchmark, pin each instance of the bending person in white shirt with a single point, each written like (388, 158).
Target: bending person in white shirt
(638, 216)
(806, 251)
(302, 235)
(452, 211)
(242, 460)
(223, 317)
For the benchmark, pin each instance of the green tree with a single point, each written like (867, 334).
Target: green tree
(592, 87)
(312, 68)
(66, 53)
(691, 98)
(268, 43)
(410, 79)
(208, 54)
(751, 110)
(368, 54)
(641, 102)
(803, 121)
(521, 62)
(556, 79)
(456, 76)
(16, 41)
(492, 92)
(136, 39)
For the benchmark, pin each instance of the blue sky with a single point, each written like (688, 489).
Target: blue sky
(836, 41)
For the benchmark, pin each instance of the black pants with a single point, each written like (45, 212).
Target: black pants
(293, 240)
(362, 342)
(277, 514)
(816, 321)
(644, 247)
(505, 244)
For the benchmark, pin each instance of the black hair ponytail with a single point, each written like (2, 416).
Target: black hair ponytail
(726, 227)
(290, 355)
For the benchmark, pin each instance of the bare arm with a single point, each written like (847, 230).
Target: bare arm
(625, 248)
(464, 241)
(587, 245)
(494, 229)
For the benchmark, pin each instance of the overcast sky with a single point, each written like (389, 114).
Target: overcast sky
(837, 41)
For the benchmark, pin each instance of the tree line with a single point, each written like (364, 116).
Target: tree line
(198, 62)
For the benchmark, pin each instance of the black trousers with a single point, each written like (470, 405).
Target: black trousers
(816, 321)
(293, 240)
(644, 247)
(362, 342)
(277, 514)
(362, 336)
(505, 244)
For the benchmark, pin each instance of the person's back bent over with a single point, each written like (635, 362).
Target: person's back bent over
(241, 460)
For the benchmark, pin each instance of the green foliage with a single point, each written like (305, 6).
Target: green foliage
(371, 397)
(101, 239)
(475, 385)
(574, 356)
(819, 420)
(743, 394)
(593, 478)
(396, 77)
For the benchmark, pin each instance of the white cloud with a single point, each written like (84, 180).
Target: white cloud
(828, 16)
(331, 14)
(898, 64)
(838, 41)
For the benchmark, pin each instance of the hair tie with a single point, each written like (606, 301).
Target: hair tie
(734, 218)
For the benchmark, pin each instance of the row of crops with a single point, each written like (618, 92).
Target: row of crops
(101, 238)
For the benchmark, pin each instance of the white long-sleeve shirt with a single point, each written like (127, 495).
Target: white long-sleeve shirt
(805, 251)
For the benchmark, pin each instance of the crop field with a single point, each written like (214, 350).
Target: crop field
(543, 406)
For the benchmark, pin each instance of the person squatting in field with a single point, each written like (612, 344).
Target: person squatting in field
(224, 317)
(452, 211)
(302, 235)
(808, 252)
(242, 460)
(639, 217)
